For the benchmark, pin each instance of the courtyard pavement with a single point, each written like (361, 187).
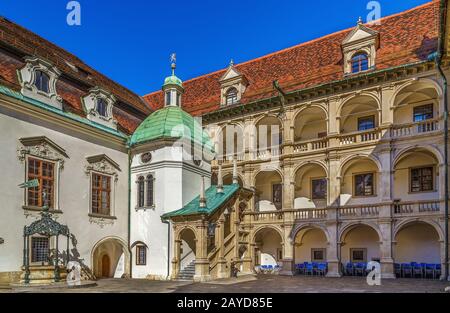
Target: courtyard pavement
(263, 284)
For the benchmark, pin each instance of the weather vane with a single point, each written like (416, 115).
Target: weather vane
(173, 60)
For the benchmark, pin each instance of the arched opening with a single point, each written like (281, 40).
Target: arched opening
(228, 180)
(360, 244)
(268, 191)
(310, 246)
(310, 124)
(110, 259)
(187, 248)
(416, 103)
(359, 114)
(310, 187)
(231, 143)
(268, 248)
(269, 136)
(359, 181)
(416, 174)
(424, 260)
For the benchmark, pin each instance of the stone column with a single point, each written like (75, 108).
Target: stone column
(288, 132)
(333, 249)
(387, 112)
(201, 256)
(334, 181)
(386, 248)
(385, 183)
(288, 267)
(222, 262)
(288, 187)
(176, 258)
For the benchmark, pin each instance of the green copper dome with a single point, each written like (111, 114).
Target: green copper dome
(171, 122)
(173, 80)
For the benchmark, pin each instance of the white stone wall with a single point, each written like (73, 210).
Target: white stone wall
(74, 187)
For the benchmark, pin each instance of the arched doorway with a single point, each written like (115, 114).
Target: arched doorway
(360, 244)
(360, 113)
(110, 258)
(311, 187)
(425, 240)
(269, 191)
(188, 246)
(310, 245)
(268, 247)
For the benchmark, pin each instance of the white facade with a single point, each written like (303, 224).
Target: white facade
(172, 177)
(19, 120)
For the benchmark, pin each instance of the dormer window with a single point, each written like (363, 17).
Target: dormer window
(233, 85)
(360, 49)
(360, 62)
(41, 81)
(102, 107)
(232, 96)
(38, 80)
(98, 105)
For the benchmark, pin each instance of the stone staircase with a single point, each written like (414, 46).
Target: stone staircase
(188, 272)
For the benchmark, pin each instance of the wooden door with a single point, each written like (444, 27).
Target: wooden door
(105, 266)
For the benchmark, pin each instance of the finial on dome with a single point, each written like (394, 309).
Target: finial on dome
(173, 60)
(360, 21)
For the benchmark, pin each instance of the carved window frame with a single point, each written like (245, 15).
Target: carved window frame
(41, 148)
(27, 77)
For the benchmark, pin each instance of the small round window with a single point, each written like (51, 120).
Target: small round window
(146, 157)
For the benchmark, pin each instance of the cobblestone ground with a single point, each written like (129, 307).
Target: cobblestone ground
(264, 284)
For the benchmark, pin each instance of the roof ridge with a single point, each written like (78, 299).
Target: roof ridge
(430, 3)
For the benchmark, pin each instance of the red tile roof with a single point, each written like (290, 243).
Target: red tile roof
(132, 109)
(405, 38)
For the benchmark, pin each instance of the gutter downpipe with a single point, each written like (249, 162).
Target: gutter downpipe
(129, 210)
(168, 246)
(438, 60)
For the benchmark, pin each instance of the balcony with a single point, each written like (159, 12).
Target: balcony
(417, 208)
(414, 129)
(228, 159)
(359, 211)
(369, 136)
(313, 145)
(348, 213)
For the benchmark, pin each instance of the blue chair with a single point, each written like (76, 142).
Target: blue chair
(360, 269)
(429, 270)
(349, 270)
(437, 271)
(397, 270)
(417, 270)
(300, 268)
(407, 270)
(309, 269)
(321, 269)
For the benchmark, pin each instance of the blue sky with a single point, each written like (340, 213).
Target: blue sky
(131, 41)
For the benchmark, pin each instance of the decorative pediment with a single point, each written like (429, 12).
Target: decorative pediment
(233, 85)
(360, 41)
(98, 105)
(41, 147)
(103, 164)
(360, 33)
(27, 79)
